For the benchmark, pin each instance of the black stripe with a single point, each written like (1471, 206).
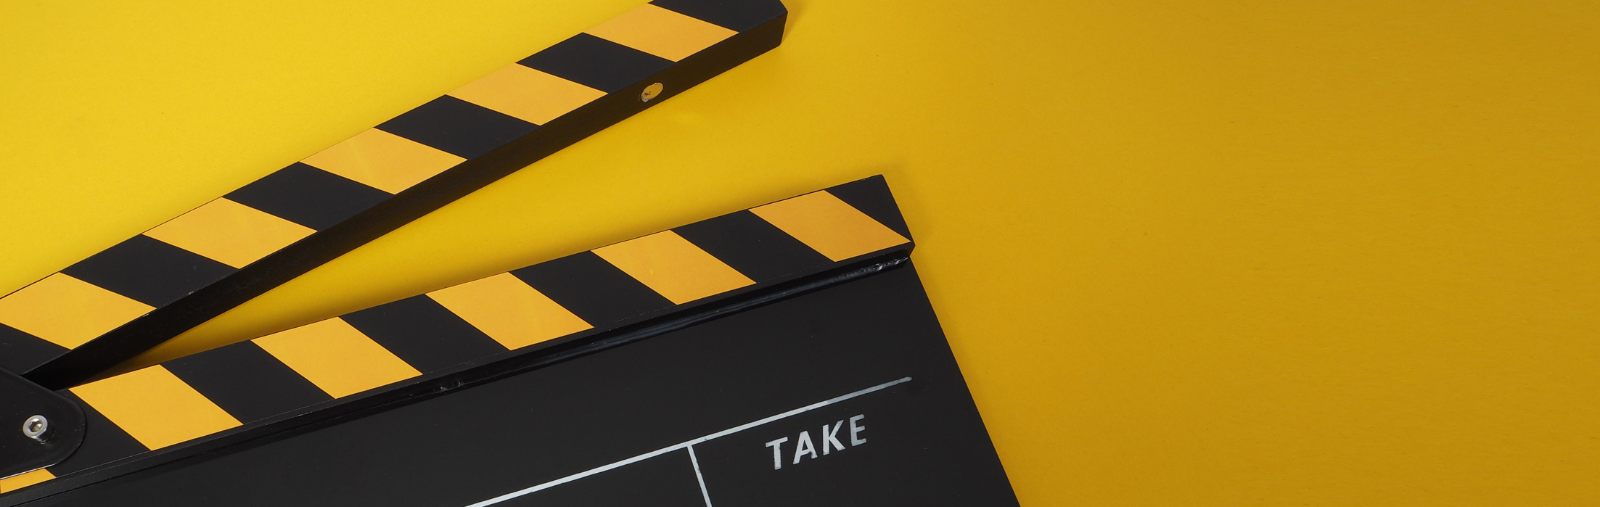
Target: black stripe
(872, 196)
(458, 127)
(597, 63)
(149, 271)
(423, 334)
(736, 15)
(752, 246)
(103, 441)
(20, 352)
(246, 381)
(308, 196)
(592, 288)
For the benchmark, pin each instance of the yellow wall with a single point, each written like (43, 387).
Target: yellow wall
(1188, 253)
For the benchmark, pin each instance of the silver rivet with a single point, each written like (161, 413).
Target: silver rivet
(35, 427)
(650, 92)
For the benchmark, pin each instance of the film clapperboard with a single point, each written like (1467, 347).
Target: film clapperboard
(781, 355)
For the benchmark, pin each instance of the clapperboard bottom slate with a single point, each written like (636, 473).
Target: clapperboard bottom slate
(859, 371)
(830, 384)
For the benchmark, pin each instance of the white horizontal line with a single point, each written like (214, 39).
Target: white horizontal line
(665, 450)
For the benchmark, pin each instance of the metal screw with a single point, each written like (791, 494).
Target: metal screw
(35, 427)
(651, 92)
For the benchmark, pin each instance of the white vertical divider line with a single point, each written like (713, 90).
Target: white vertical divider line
(699, 476)
(664, 450)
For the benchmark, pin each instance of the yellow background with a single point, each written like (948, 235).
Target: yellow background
(1188, 253)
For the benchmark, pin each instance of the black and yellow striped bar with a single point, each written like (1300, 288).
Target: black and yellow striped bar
(230, 390)
(132, 296)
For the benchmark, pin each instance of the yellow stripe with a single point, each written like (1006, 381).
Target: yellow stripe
(509, 311)
(673, 267)
(156, 407)
(229, 232)
(661, 32)
(528, 94)
(829, 225)
(336, 357)
(383, 161)
(67, 311)
(20, 481)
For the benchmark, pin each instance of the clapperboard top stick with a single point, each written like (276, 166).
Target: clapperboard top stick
(71, 325)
